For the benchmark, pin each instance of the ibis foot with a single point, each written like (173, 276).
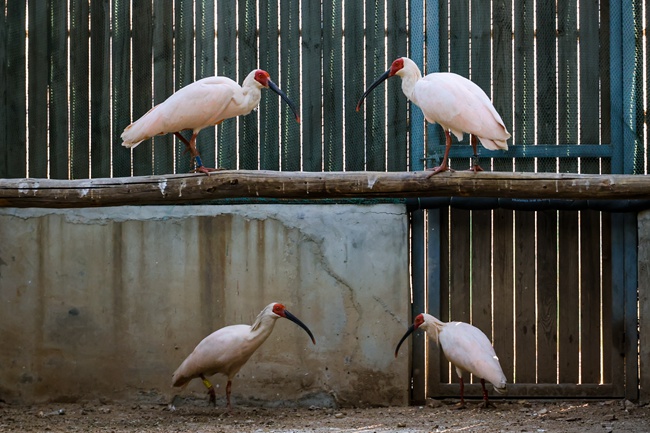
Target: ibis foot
(206, 170)
(439, 169)
(487, 405)
(460, 405)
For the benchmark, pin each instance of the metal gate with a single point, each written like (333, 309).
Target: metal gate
(555, 290)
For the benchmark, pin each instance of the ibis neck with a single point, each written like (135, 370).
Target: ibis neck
(409, 78)
(262, 327)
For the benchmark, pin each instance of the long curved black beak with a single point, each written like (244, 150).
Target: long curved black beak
(380, 80)
(297, 321)
(408, 332)
(277, 90)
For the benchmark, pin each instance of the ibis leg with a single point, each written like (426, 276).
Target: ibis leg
(213, 397)
(443, 166)
(461, 405)
(191, 147)
(486, 401)
(474, 165)
(228, 388)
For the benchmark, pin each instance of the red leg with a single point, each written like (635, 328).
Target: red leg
(474, 164)
(191, 147)
(206, 382)
(486, 401)
(443, 166)
(461, 405)
(228, 388)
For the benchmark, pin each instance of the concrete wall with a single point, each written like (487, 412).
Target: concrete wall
(108, 302)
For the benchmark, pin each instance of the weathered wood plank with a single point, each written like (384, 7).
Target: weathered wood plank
(481, 272)
(332, 91)
(184, 67)
(79, 80)
(3, 89)
(247, 61)
(445, 276)
(290, 84)
(58, 90)
(163, 84)
(186, 188)
(121, 89)
(546, 79)
(100, 101)
(310, 106)
(375, 110)
(353, 76)
(533, 390)
(503, 262)
(227, 67)
(590, 299)
(397, 110)
(205, 66)
(546, 296)
(568, 298)
(269, 105)
(37, 95)
(612, 366)
(142, 43)
(459, 49)
(525, 320)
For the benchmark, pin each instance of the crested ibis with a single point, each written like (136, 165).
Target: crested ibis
(467, 348)
(453, 101)
(203, 103)
(226, 350)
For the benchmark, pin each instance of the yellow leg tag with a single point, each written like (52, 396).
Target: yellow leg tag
(207, 383)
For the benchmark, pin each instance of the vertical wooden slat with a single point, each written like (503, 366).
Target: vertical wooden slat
(375, 106)
(227, 67)
(353, 78)
(269, 106)
(545, 80)
(607, 302)
(503, 219)
(460, 57)
(480, 56)
(310, 105)
(205, 62)
(568, 335)
(142, 37)
(525, 323)
(445, 285)
(604, 68)
(332, 90)
(547, 296)
(589, 65)
(163, 84)
(100, 123)
(79, 104)
(459, 269)
(121, 81)
(3, 89)
(247, 60)
(590, 296)
(16, 153)
(503, 262)
(58, 89)
(481, 269)
(290, 83)
(184, 67)
(37, 121)
(567, 114)
(397, 110)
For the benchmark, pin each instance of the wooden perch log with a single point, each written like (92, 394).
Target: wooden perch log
(196, 188)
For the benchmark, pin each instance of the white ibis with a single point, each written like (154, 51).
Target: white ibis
(204, 103)
(453, 101)
(226, 350)
(467, 348)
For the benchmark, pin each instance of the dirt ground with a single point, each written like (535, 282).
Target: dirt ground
(436, 416)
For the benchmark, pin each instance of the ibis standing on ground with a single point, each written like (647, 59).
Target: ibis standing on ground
(453, 101)
(204, 103)
(226, 350)
(467, 348)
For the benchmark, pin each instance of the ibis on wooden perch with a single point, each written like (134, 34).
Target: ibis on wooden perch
(453, 101)
(226, 350)
(467, 348)
(201, 104)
